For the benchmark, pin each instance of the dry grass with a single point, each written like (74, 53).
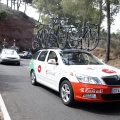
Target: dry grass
(114, 56)
(115, 63)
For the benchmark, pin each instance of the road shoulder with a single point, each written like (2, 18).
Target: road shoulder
(3, 111)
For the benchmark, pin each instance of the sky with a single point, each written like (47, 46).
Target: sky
(34, 14)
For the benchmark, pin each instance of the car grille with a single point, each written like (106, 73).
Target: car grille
(111, 96)
(111, 80)
(10, 58)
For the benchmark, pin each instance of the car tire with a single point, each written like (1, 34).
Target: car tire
(66, 93)
(33, 78)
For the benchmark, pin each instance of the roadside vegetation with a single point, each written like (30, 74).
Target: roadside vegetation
(78, 10)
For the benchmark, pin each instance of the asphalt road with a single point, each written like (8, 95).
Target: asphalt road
(27, 102)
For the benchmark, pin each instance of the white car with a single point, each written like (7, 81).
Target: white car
(26, 54)
(9, 56)
(77, 75)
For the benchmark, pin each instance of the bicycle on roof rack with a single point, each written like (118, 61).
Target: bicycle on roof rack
(85, 38)
(57, 31)
(41, 37)
(60, 34)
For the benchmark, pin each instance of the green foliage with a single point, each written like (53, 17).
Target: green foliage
(48, 7)
(114, 8)
(3, 14)
(75, 9)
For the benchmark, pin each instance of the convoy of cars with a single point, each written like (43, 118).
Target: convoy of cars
(9, 56)
(76, 74)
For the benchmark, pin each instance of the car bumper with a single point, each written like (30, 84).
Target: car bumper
(27, 57)
(10, 61)
(95, 93)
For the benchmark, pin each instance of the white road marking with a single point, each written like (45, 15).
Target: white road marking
(4, 110)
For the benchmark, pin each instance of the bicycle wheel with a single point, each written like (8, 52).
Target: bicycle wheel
(61, 39)
(52, 41)
(91, 40)
(44, 38)
(35, 42)
(73, 39)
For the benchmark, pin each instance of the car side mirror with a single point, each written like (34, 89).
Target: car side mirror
(101, 60)
(52, 61)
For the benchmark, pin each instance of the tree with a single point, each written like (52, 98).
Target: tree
(112, 8)
(28, 1)
(7, 3)
(81, 10)
(47, 8)
(108, 34)
(18, 4)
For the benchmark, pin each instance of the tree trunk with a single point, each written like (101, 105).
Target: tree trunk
(7, 3)
(100, 16)
(108, 32)
(25, 7)
(11, 4)
(14, 4)
(18, 4)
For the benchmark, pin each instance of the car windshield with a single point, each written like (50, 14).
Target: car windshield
(79, 58)
(9, 52)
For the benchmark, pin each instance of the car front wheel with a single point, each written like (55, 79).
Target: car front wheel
(66, 93)
(33, 78)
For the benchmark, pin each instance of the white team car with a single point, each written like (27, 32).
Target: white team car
(9, 56)
(77, 75)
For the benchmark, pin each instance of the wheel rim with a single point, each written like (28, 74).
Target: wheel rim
(65, 93)
(32, 78)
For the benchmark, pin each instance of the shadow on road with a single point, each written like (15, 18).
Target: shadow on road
(111, 108)
(108, 108)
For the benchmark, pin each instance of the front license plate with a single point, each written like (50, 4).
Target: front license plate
(115, 90)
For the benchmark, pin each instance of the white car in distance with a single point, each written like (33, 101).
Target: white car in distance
(9, 56)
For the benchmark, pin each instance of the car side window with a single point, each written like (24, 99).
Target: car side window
(52, 55)
(42, 56)
(35, 55)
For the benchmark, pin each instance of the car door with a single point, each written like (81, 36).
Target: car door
(52, 70)
(40, 66)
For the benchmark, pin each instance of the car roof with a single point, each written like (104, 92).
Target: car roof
(74, 50)
(66, 50)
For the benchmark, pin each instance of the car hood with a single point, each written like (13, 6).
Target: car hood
(95, 70)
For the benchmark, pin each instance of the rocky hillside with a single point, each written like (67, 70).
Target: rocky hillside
(17, 26)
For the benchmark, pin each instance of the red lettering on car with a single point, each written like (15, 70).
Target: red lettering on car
(108, 71)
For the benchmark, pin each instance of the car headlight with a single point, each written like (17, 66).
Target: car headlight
(88, 79)
(18, 57)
